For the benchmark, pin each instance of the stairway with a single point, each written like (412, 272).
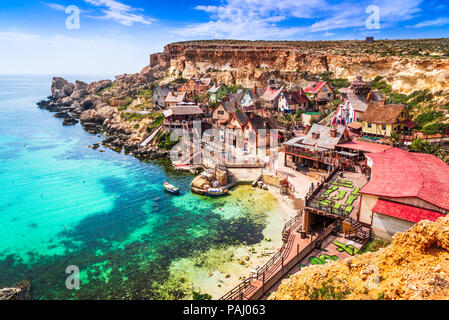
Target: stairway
(357, 234)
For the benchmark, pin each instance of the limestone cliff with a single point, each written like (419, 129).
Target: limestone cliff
(414, 266)
(249, 63)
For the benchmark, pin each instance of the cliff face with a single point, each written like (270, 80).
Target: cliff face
(414, 266)
(249, 63)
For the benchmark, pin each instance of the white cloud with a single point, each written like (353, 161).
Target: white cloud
(120, 12)
(260, 19)
(432, 23)
(55, 6)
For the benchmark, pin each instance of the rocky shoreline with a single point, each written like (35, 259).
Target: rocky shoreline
(84, 103)
(21, 292)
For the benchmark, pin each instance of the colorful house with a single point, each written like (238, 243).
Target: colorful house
(291, 102)
(380, 120)
(250, 98)
(321, 92)
(404, 189)
(218, 93)
(194, 87)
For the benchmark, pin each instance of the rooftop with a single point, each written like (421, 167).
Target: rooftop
(398, 174)
(383, 114)
(405, 212)
(364, 146)
(324, 138)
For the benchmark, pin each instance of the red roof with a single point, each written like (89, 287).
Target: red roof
(397, 174)
(364, 146)
(301, 97)
(315, 87)
(405, 212)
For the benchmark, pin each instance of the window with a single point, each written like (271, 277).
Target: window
(220, 112)
(384, 127)
(369, 125)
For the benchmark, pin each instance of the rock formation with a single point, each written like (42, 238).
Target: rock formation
(413, 267)
(95, 105)
(21, 292)
(253, 63)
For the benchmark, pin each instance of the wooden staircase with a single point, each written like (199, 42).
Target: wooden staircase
(357, 232)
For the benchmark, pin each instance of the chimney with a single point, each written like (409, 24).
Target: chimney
(333, 132)
(255, 89)
(382, 103)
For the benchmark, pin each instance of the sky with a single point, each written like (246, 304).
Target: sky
(118, 36)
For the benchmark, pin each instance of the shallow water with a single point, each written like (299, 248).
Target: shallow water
(65, 204)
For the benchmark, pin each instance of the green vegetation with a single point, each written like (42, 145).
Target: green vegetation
(375, 244)
(133, 116)
(199, 296)
(164, 141)
(336, 83)
(327, 292)
(157, 121)
(234, 88)
(180, 80)
(148, 93)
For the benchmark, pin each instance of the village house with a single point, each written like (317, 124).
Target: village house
(291, 102)
(318, 149)
(320, 92)
(404, 189)
(159, 95)
(270, 98)
(222, 113)
(250, 98)
(175, 98)
(194, 87)
(382, 120)
(182, 116)
(357, 96)
(218, 93)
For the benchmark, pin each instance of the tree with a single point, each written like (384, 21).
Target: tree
(422, 146)
(393, 138)
(286, 120)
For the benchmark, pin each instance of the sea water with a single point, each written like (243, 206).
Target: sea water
(64, 204)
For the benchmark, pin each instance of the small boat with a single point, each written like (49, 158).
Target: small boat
(216, 191)
(171, 188)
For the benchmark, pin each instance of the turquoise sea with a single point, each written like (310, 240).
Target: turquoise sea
(62, 203)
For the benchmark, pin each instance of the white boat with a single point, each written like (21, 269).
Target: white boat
(171, 188)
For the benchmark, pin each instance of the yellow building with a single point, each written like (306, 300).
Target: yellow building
(384, 119)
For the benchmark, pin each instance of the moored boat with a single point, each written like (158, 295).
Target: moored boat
(171, 188)
(217, 191)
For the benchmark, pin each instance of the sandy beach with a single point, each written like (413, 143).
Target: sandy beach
(217, 271)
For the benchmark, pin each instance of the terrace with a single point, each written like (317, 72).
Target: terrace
(338, 195)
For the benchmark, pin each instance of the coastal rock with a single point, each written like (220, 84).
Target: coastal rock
(21, 292)
(97, 86)
(98, 115)
(78, 94)
(80, 85)
(70, 122)
(62, 115)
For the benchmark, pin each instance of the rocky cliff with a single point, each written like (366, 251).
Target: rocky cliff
(249, 63)
(107, 107)
(414, 266)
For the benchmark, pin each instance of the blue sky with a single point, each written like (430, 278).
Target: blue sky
(117, 36)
